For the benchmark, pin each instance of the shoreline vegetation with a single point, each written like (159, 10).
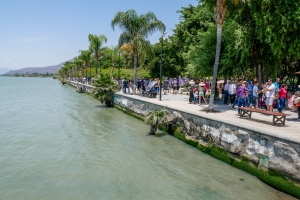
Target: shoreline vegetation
(270, 177)
(46, 75)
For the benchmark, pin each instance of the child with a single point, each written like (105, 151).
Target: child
(195, 91)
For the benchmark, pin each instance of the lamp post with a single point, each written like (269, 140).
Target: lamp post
(160, 75)
(119, 65)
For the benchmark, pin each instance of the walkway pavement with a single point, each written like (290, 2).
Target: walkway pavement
(258, 122)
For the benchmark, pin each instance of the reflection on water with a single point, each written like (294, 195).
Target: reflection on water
(59, 144)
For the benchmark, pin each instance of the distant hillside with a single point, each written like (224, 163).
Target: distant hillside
(41, 70)
(4, 70)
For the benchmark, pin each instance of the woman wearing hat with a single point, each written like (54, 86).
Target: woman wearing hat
(201, 93)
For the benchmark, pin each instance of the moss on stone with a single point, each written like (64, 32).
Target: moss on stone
(220, 154)
(192, 143)
(179, 135)
(271, 177)
(162, 127)
(128, 112)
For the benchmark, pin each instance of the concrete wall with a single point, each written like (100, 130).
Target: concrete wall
(265, 151)
(87, 88)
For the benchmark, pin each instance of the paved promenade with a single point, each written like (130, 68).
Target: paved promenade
(258, 122)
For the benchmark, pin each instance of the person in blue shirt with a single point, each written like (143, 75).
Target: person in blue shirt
(250, 92)
(277, 88)
(255, 94)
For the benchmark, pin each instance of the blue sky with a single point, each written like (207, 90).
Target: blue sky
(39, 33)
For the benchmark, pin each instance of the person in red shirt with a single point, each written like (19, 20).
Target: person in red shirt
(282, 97)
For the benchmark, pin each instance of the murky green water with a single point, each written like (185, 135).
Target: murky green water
(59, 144)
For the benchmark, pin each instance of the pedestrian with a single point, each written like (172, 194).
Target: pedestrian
(125, 85)
(232, 92)
(250, 92)
(206, 88)
(139, 86)
(241, 95)
(156, 85)
(190, 89)
(226, 87)
(270, 94)
(201, 93)
(166, 85)
(175, 86)
(240, 82)
(282, 97)
(195, 93)
(255, 93)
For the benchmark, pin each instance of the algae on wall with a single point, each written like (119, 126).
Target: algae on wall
(271, 177)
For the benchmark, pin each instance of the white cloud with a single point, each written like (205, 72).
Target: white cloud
(8, 60)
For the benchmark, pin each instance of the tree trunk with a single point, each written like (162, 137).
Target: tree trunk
(256, 50)
(96, 67)
(134, 66)
(82, 72)
(214, 79)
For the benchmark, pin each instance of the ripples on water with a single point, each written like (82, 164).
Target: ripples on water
(59, 144)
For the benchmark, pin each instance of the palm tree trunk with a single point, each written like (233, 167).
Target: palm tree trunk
(96, 67)
(214, 79)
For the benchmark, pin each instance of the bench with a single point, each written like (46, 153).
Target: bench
(278, 118)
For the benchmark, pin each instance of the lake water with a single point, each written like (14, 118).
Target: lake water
(56, 143)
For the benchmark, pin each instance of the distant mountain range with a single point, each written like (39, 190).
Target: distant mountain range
(41, 70)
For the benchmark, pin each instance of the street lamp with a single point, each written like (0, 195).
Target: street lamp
(119, 65)
(160, 76)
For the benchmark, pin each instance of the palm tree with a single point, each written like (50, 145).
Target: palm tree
(135, 29)
(85, 55)
(220, 12)
(96, 43)
(79, 65)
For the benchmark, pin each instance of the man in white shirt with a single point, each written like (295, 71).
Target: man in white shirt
(270, 94)
(232, 92)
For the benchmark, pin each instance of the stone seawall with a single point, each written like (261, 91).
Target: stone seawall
(235, 145)
(82, 87)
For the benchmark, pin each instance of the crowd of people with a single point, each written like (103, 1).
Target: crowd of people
(150, 85)
(271, 95)
(241, 93)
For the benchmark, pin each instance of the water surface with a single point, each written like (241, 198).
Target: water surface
(59, 144)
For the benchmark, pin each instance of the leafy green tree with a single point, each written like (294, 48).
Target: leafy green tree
(135, 29)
